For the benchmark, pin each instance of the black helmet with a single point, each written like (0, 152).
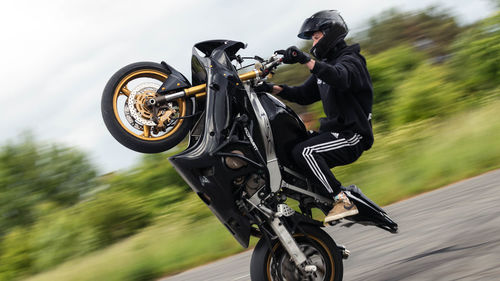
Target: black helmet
(333, 27)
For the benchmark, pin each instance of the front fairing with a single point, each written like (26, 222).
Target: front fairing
(205, 173)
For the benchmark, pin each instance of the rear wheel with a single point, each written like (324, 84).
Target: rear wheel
(131, 122)
(275, 264)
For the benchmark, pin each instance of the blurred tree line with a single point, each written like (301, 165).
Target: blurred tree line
(54, 207)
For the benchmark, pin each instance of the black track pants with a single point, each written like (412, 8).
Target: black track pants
(324, 151)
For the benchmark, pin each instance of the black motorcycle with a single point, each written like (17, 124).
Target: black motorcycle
(238, 157)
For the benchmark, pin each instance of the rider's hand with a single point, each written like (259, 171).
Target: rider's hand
(264, 87)
(294, 55)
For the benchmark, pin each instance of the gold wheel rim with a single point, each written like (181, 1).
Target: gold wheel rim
(121, 89)
(268, 263)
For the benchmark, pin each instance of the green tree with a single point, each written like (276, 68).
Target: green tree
(58, 236)
(427, 93)
(432, 30)
(33, 173)
(388, 70)
(114, 215)
(476, 58)
(71, 232)
(153, 173)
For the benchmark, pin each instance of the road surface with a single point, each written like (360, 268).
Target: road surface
(452, 233)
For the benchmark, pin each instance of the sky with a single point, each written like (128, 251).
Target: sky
(58, 55)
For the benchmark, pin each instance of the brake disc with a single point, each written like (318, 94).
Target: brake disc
(138, 115)
(286, 268)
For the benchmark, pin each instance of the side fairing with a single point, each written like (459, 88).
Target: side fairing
(205, 172)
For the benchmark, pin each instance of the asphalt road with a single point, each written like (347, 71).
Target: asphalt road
(452, 233)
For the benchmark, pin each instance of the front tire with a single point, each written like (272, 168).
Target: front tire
(129, 121)
(275, 264)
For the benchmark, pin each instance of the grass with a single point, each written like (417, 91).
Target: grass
(167, 247)
(414, 159)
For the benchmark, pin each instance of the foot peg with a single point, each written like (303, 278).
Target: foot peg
(284, 210)
(332, 223)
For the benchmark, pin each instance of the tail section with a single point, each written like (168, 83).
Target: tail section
(369, 212)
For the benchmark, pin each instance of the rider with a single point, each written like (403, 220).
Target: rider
(341, 81)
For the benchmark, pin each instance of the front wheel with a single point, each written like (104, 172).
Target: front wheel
(131, 122)
(275, 264)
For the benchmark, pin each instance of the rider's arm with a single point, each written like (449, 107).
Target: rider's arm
(339, 75)
(304, 94)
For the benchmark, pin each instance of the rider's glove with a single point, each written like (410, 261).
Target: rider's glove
(264, 87)
(294, 55)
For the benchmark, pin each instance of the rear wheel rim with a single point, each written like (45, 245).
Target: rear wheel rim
(284, 269)
(143, 131)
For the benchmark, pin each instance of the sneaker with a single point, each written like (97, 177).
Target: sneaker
(343, 208)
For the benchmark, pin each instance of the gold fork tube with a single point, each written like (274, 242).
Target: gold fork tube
(250, 75)
(200, 90)
(195, 90)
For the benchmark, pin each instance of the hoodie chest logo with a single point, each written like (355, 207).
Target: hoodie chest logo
(320, 82)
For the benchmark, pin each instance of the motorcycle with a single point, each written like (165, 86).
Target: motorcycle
(238, 156)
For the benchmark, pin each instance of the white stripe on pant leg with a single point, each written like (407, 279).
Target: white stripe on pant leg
(313, 165)
(311, 161)
(323, 149)
(335, 147)
(330, 143)
(315, 169)
(304, 154)
(349, 142)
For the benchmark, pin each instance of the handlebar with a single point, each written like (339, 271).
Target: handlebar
(200, 90)
(272, 63)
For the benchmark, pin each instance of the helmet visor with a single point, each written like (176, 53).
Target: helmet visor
(310, 26)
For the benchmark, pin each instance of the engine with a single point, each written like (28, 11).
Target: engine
(254, 183)
(235, 163)
(251, 182)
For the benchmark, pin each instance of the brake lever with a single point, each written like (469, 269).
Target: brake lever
(259, 59)
(272, 64)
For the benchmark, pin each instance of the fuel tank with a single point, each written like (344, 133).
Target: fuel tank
(287, 127)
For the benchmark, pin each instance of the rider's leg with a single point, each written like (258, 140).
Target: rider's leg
(320, 153)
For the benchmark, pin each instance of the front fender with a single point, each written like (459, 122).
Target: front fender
(175, 81)
(298, 219)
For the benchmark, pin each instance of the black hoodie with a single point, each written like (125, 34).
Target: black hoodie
(343, 84)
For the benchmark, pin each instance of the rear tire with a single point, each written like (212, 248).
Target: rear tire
(142, 138)
(318, 246)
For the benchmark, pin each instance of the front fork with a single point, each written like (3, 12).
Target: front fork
(288, 242)
(276, 221)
